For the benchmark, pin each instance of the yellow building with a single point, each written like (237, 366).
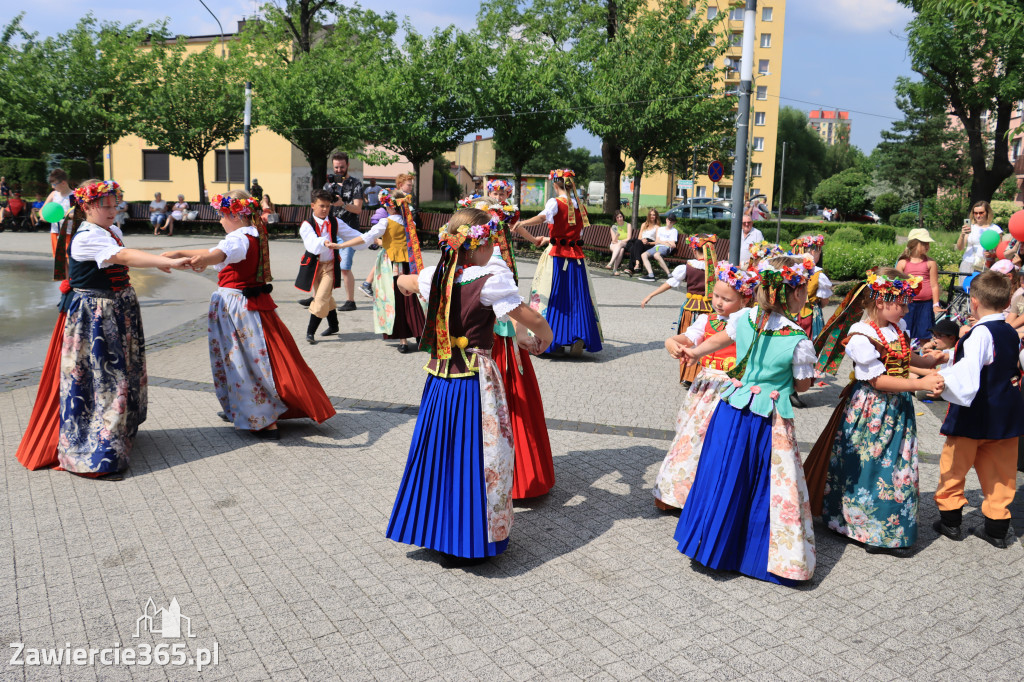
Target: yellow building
(831, 126)
(664, 189)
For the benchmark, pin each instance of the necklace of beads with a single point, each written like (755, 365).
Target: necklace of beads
(904, 351)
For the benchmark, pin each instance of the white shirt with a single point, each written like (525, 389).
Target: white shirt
(375, 232)
(963, 378)
(752, 237)
(158, 206)
(667, 234)
(315, 239)
(678, 277)
(695, 332)
(551, 209)
(65, 201)
(178, 209)
(499, 292)
(824, 284)
(234, 246)
(93, 243)
(804, 356)
(973, 251)
(867, 361)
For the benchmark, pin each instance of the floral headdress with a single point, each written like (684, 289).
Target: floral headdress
(96, 191)
(474, 201)
(742, 280)
(698, 241)
(895, 289)
(561, 174)
(813, 240)
(498, 183)
(793, 275)
(567, 175)
(762, 250)
(232, 206)
(466, 236)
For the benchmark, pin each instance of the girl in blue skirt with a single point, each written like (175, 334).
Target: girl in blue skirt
(456, 492)
(748, 510)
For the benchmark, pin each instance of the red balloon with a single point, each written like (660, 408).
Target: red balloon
(1017, 226)
(1001, 249)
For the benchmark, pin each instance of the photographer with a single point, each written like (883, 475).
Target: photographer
(347, 192)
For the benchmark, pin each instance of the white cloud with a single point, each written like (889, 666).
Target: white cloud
(858, 16)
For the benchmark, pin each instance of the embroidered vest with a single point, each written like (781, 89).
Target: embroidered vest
(468, 318)
(722, 360)
(310, 262)
(243, 273)
(85, 274)
(769, 368)
(395, 244)
(565, 240)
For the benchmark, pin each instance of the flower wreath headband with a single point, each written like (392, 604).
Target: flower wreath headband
(743, 281)
(231, 206)
(226, 205)
(467, 236)
(497, 184)
(386, 199)
(765, 249)
(892, 290)
(793, 275)
(96, 191)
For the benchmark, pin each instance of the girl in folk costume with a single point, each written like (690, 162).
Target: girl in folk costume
(258, 373)
(561, 291)
(395, 316)
(866, 459)
(99, 352)
(455, 495)
(760, 251)
(732, 291)
(747, 510)
(698, 274)
(819, 288)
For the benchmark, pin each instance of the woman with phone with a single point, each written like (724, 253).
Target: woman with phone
(969, 240)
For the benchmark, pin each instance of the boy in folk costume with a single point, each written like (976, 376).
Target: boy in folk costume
(985, 417)
(819, 289)
(455, 495)
(561, 291)
(320, 269)
(395, 316)
(258, 373)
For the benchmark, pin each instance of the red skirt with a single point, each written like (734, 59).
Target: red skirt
(38, 447)
(295, 382)
(534, 471)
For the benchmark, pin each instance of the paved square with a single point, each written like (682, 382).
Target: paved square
(276, 554)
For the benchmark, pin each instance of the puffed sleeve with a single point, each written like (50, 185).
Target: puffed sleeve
(500, 291)
(804, 358)
(824, 286)
(736, 318)
(234, 247)
(378, 229)
(550, 210)
(695, 332)
(95, 245)
(867, 362)
(425, 277)
(678, 277)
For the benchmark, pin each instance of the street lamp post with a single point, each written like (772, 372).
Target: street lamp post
(742, 128)
(223, 54)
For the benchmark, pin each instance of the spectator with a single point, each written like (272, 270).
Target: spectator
(348, 203)
(665, 239)
(372, 194)
(751, 235)
(178, 213)
(61, 194)
(969, 240)
(255, 191)
(622, 232)
(14, 208)
(122, 214)
(37, 206)
(268, 210)
(638, 245)
(5, 191)
(157, 213)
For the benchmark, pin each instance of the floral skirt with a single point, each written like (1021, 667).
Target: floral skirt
(103, 394)
(395, 315)
(871, 489)
(680, 465)
(456, 492)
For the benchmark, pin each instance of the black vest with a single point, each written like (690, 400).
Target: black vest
(310, 262)
(87, 275)
(997, 411)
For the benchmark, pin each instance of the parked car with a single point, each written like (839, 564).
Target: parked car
(813, 209)
(791, 210)
(704, 212)
(862, 217)
(595, 193)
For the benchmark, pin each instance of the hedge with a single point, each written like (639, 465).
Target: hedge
(20, 171)
(882, 233)
(844, 260)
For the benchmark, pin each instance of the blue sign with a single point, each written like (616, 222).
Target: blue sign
(716, 171)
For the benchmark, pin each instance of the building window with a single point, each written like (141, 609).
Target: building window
(754, 191)
(762, 67)
(725, 192)
(702, 191)
(736, 14)
(758, 144)
(736, 40)
(759, 118)
(766, 14)
(237, 161)
(1016, 148)
(762, 92)
(766, 40)
(712, 13)
(156, 165)
(755, 170)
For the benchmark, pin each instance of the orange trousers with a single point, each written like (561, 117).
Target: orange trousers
(53, 243)
(995, 463)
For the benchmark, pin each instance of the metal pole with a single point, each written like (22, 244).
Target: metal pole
(778, 202)
(223, 54)
(246, 132)
(742, 127)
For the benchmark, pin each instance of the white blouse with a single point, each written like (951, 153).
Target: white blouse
(867, 361)
(551, 209)
(378, 230)
(92, 242)
(804, 356)
(678, 277)
(499, 292)
(824, 284)
(234, 246)
(695, 332)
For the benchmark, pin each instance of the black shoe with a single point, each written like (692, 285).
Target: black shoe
(1000, 543)
(310, 339)
(795, 401)
(875, 549)
(404, 348)
(347, 306)
(951, 532)
(267, 434)
(224, 417)
(647, 278)
(305, 302)
(330, 331)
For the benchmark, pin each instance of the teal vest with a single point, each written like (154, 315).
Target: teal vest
(769, 367)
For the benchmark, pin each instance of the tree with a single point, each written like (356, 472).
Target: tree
(524, 101)
(845, 191)
(653, 95)
(975, 63)
(558, 154)
(170, 117)
(422, 102)
(75, 93)
(805, 156)
(886, 204)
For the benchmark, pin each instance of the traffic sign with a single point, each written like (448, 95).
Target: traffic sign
(716, 171)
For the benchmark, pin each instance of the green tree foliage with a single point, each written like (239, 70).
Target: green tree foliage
(841, 155)
(975, 63)
(805, 156)
(885, 205)
(169, 117)
(845, 191)
(557, 154)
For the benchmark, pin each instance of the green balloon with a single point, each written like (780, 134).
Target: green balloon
(52, 212)
(989, 240)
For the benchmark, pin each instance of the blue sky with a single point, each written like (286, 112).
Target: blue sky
(843, 54)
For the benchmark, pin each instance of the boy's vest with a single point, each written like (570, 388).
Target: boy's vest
(997, 411)
(310, 262)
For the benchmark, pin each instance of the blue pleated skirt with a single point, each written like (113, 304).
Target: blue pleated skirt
(442, 500)
(920, 319)
(570, 310)
(726, 521)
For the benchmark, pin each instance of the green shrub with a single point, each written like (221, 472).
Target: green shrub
(887, 204)
(845, 260)
(848, 234)
(904, 220)
(21, 171)
(1001, 212)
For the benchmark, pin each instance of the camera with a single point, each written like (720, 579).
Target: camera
(330, 177)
